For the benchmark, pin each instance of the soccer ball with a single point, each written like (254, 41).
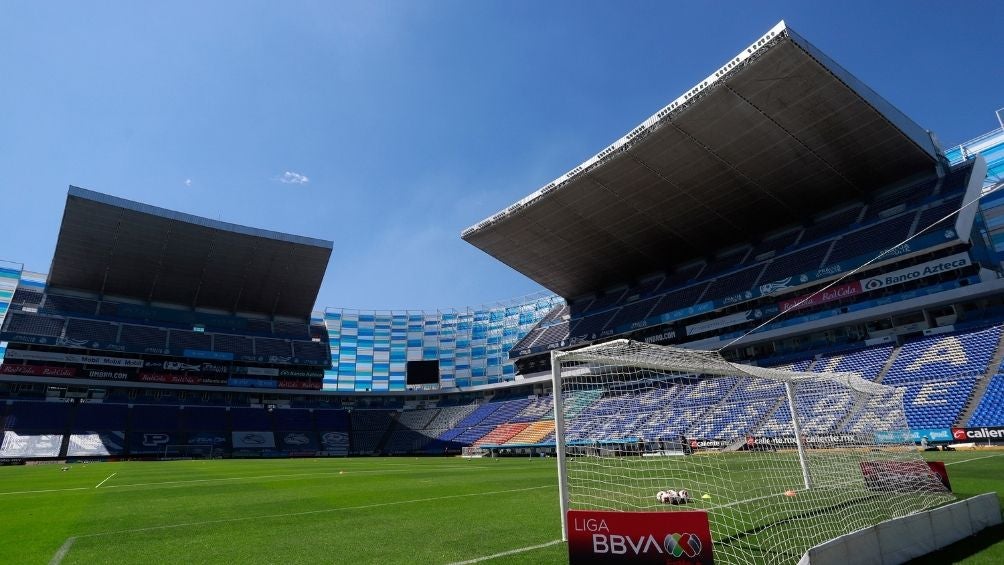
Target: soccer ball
(673, 497)
(667, 496)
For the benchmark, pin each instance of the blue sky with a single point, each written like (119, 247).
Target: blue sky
(389, 127)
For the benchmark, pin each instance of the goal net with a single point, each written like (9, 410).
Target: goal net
(779, 459)
(190, 451)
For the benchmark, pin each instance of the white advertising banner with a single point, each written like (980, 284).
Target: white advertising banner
(72, 358)
(42, 445)
(96, 444)
(915, 272)
(723, 322)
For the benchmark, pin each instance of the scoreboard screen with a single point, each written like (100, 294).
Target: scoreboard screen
(423, 372)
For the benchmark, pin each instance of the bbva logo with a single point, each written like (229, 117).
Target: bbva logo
(677, 545)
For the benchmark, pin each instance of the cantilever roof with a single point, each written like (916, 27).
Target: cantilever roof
(778, 133)
(109, 245)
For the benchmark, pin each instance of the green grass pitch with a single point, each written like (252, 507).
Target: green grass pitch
(361, 510)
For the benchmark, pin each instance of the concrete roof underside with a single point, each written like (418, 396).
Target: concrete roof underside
(111, 246)
(782, 136)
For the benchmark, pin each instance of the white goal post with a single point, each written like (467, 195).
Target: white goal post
(779, 459)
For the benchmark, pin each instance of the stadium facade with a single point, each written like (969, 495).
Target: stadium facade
(873, 250)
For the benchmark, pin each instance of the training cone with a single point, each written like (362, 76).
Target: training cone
(789, 493)
(706, 496)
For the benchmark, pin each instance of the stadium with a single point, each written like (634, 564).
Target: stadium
(183, 366)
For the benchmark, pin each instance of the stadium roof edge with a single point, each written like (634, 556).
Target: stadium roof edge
(196, 220)
(780, 127)
(914, 131)
(678, 103)
(924, 139)
(110, 246)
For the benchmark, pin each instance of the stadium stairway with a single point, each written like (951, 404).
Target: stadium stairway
(382, 443)
(993, 367)
(758, 424)
(888, 364)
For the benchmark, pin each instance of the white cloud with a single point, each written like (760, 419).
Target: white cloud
(289, 177)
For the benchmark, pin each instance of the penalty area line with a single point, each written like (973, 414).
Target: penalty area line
(63, 550)
(106, 479)
(973, 459)
(43, 490)
(507, 553)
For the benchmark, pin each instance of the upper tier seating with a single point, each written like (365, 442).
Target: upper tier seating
(875, 238)
(143, 336)
(939, 357)
(91, 330)
(59, 304)
(35, 325)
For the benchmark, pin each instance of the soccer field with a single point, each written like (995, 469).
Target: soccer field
(371, 510)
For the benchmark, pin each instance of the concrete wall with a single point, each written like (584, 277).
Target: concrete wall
(902, 539)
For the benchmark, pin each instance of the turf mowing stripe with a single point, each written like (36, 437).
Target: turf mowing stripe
(973, 459)
(506, 553)
(293, 475)
(43, 490)
(65, 548)
(106, 479)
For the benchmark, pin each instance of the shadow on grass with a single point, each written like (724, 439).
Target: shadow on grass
(969, 547)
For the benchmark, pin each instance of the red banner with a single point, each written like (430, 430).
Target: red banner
(173, 378)
(904, 476)
(939, 469)
(639, 537)
(38, 370)
(829, 295)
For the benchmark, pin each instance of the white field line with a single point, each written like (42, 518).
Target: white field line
(288, 476)
(106, 479)
(61, 553)
(43, 490)
(973, 459)
(63, 550)
(318, 473)
(506, 553)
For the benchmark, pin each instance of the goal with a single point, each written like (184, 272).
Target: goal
(473, 452)
(779, 459)
(190, 451)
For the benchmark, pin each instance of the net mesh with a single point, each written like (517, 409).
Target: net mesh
(639, 419)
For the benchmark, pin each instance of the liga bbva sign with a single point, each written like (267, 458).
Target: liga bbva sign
(639, 537)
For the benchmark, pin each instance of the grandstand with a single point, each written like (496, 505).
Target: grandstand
(157, 333)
